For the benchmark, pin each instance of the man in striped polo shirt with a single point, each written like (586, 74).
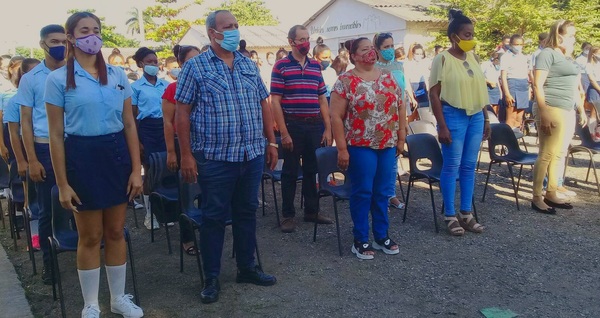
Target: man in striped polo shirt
(302, 115)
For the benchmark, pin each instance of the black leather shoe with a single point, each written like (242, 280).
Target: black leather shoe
(255, 276)
(540, 210)
(210, 293)
(565, 206)
(47, 275)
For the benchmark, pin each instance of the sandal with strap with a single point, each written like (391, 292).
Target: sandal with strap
(468, 222)
(454, 226)
(386, 245)
(359, 249)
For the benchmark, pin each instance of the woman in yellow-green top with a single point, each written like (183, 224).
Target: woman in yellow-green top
(458, 94)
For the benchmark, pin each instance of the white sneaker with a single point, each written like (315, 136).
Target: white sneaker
(124, 306)
(137, 205)
(148, 224)
(90, 311)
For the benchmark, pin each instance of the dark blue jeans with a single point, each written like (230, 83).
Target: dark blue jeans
(43, 192)
(306, 137)
(229, 192)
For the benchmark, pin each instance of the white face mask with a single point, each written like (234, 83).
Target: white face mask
(175, 72)
(586, 52)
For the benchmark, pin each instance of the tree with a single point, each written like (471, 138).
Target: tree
(24, 51)
(495, 18)
(133, 23)
(110, 38)
(585, 15)
(247, 12)
(166, 27)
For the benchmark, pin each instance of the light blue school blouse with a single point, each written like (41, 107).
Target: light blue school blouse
(148, 97)
(91, 109)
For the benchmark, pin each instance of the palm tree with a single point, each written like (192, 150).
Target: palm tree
(133, 23)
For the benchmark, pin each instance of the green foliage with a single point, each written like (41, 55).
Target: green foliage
(165, 26)
(247, 12)
(133, 23)
(495, 18)
(26, 52)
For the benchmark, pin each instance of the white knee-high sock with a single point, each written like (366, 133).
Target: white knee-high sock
(116, 280)
(147, 204)
(89, 280)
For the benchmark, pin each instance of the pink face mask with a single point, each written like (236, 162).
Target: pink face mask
(369, 57)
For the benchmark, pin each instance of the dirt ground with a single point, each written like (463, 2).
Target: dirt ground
(535, 265)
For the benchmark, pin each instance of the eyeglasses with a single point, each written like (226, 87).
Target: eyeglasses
(469, 70)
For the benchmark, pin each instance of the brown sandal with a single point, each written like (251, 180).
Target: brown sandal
(454, 226)
(468, 222)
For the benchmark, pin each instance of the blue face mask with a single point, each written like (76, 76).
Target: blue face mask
(231, 39)
(325, 64)
(388, 54)
(151, 70)
(57, 52)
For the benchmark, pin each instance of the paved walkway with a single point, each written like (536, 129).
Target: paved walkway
(13, 303)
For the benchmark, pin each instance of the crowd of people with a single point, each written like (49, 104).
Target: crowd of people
(88, 126)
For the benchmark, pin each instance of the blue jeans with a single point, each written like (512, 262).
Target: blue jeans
(460, 157)
(371, 174)
(229, 192)
(43, 192)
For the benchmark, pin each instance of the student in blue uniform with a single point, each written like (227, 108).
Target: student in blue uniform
(13, 71)
(34, 125)
(97, 164)
(147, 107)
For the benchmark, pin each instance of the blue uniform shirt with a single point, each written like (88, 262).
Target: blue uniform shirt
(31, 94)
(148, 97)
(5, 97)
(91, 109)
(11, 112)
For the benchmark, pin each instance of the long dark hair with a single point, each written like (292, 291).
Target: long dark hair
(26, 66)
(100, 64)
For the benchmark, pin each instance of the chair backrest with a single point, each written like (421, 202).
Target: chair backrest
(426, 114)
(424, 146)
(327, 158)
(492, 117)
(190, 199)
(422, 127)
(63, 225)
(159, 177)
(4, 175)
(503, 137)
(586, 137)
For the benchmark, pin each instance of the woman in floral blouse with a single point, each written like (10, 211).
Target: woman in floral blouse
(369, 134)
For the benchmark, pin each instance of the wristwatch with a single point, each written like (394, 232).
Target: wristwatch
(272, 144)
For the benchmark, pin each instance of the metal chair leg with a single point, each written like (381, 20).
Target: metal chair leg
(52, 268)
(181, 244)
(27, 226)
(410, 183)
(275, 201)
(198, 260)
(337, 225)
(474, 209)
(437, 230)
(258, 256)
(401, 187)
(132, 266)
(512, 178)
(487, 179)
(168, 239)
(262, 188)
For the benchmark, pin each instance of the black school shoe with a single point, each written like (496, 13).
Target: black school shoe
(565, 206)
(385, 245)
(210, 293)
(255, 276)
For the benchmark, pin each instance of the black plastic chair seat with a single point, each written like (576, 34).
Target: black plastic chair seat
(340, 192)
(520, 158)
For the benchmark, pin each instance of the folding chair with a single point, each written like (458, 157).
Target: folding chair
(16, 199)
(511, 154)
(64, 239)
(191, 199)
(327, 165)
(589, 146)
(275, 176)
(164, 196)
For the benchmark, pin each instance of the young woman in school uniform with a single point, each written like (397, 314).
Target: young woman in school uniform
(97, 164)
(147, 108)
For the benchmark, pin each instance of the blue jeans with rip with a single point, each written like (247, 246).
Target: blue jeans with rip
(229, 192)
(460, 157)
(372, 178)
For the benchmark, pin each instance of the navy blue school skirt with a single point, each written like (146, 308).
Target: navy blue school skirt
(592, 94)
(152, 136)
(98, 169)
(519, 89)
(494, 95)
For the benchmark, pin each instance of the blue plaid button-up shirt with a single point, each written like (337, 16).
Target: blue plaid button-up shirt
(226, 121)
